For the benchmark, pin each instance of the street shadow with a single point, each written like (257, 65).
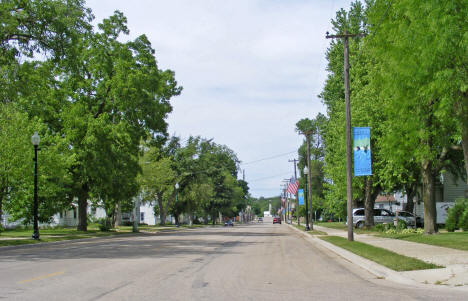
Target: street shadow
(200, 242)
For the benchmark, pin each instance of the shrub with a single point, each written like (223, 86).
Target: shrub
(401, 225)
(463, 222)
(380, 227)
(455, 214)
(104, 224)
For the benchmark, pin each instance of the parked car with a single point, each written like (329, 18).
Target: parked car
(381, 216)
(228, 223)
(276, 220)
(260, 220)
(408, 217)
(384, 216)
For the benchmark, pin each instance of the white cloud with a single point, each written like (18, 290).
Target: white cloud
(250, 70)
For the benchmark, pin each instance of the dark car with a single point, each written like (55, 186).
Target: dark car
(228, 223)
(276, 220)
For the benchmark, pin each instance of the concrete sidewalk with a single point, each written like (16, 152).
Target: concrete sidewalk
(455, 273)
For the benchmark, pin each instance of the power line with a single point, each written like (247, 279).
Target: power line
(264, 178)
(268, 158)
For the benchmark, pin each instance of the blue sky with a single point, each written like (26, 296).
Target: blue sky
(250, 70)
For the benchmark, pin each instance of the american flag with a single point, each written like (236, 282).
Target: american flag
(292, 186)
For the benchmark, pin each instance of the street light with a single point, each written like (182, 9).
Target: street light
(35, 139)
(306, 173)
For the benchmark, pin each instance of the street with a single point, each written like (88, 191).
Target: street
(245, 262)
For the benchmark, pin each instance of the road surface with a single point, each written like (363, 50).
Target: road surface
(245, 262)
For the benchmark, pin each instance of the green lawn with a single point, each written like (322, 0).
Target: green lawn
(454, 240)
(333, 225)
(23, 236)
(381, 256)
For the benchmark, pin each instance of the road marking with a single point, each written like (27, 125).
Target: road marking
(42, 277)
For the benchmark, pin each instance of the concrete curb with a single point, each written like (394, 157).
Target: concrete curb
(370, 266)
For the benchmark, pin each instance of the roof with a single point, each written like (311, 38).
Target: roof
(385, 199)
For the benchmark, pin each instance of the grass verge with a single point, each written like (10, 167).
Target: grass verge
(454, 240)
(17, 237)
(381, 256)
(312, 232)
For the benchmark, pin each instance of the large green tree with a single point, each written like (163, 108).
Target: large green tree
(422, 51)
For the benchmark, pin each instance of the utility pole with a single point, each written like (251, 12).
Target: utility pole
(309, 192)
(297, 199)
(349, 175)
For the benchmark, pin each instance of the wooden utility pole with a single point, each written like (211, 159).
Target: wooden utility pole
(349, 175)
(309, 192)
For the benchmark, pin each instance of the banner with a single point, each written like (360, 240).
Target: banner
(362, 151)
(300, 196)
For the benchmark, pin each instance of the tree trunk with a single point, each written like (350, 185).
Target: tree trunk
(430, 216)
(82, 212)
(410, 194)
(117, 215)
(162, 210)
(191, 218)
(369, 203)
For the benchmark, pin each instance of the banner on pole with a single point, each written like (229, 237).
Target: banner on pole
(300, 196)
(362, 151)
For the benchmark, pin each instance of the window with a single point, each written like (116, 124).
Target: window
(359, 212)
(74, 212)
(142, 216)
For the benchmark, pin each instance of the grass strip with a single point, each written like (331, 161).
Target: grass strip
(381, 256)
(311, 232)
(454, 240)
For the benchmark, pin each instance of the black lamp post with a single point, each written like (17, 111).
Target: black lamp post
(176, 186)
(306, 173)
(35, 139)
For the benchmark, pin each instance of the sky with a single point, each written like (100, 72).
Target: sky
(250, 69)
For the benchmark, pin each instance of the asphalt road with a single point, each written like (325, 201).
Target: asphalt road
(244, 262)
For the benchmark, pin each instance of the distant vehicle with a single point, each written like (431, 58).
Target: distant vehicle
(260, 219)
(276, 220)
(228, 223)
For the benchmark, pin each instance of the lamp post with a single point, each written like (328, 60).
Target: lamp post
(176, 186)
(306, 173)
(35, 139)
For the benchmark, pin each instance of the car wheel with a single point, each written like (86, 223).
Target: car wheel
(360, 225)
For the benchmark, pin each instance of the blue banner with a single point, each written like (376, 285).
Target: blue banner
(362, 151)
(300, 196)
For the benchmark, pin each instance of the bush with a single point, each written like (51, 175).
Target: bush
(380, 227)
(401, 225)
(463, 222)
(104, 224)
(455, 214)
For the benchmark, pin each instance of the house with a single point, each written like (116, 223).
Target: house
(448, 188)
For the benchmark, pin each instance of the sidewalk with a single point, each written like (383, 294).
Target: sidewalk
(455, 273)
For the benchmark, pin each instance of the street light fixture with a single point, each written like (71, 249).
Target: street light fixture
(35, 139)
(306, 173)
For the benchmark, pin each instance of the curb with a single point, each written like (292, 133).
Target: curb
(370, 266)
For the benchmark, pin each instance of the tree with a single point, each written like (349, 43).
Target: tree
(422, 76)
(119, 98)
(16, 173)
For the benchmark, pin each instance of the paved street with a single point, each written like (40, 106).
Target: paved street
(248, 262)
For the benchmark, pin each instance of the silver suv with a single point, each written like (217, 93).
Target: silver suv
(381, 216)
